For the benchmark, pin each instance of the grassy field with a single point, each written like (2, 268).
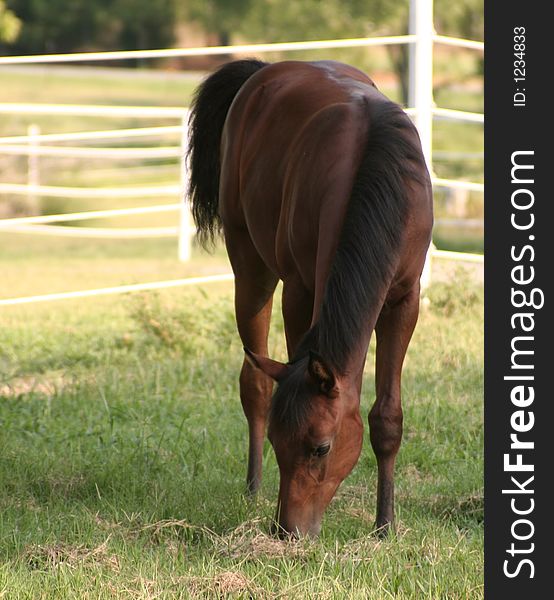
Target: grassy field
(122, 445)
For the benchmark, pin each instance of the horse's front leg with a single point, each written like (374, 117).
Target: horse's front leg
(254, 287)
(255, 395)
(394, 330)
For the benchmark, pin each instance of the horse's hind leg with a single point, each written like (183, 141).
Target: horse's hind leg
(394, 330)
(254, 287)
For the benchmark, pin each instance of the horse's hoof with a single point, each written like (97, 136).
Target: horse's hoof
(382, 531)
(251, 494)
(252, 487)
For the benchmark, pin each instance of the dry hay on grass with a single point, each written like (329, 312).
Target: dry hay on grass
(223, 585)
(21, 386)
(50, 557)
(232, 582)
(226, 584)
(249, 541)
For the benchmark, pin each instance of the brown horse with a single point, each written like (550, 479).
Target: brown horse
(316, 179)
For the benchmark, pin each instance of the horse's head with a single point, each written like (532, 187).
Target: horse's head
(316, 431)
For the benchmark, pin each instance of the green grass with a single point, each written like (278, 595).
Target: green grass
(123, 444)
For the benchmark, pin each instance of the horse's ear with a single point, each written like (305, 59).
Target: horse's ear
(322, 375)
(275, 369)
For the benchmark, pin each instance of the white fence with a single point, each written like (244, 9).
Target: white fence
(422, 38)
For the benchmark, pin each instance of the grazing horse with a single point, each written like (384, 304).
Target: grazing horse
(317, 179)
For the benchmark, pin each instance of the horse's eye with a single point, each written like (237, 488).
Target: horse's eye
(322, 450)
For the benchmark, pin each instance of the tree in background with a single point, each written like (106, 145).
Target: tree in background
(56, 25)
(73, 25)
(272, 21)
(144, 24)
(220, 17)
(10, 25)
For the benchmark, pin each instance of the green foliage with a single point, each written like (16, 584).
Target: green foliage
(71, 25)
(219, 16)
(312, 19)
(143, 23)
(309, 19)
(10, 25)
(58, 25)
(459, 295)
(460, 19)
(192, 329)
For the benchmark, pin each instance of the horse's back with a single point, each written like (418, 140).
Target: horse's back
(291, 144)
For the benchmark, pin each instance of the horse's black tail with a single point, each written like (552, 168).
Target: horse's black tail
(210, 105)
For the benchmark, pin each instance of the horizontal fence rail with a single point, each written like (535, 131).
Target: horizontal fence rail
(237, 49)
(208, 50)
(459, 42)
(74, 192)
(97, 232)
(119, 134)
(121, 289)
(458, 184)
(458, 256)
(458, 115)
(79, 152)
(470, 223)
(92, 214)
(94, 110)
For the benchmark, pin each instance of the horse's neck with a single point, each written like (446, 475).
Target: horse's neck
(356, 361)
(350, 360)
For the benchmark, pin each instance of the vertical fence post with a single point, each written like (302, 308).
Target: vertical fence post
(185, 237)
(421, 73)
(33, 173)
(421, 89)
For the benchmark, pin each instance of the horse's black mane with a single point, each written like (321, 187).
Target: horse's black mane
(365, 259)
